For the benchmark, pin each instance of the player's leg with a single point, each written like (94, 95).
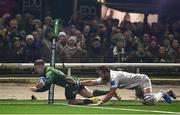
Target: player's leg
(144, 89)
(88, 93)
(171, 93)
(75, 101)
(149, 98)
(85, 92)
(139, 93)
(92, 94)
(71, 91)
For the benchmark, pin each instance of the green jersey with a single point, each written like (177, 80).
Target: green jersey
(57, 77)
(54, 76)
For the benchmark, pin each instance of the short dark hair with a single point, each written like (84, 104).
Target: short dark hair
(103, 69)
(39, 62)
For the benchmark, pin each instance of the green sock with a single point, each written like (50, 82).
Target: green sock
(99, 92)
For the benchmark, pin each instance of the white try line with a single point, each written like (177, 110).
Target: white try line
(124, 109)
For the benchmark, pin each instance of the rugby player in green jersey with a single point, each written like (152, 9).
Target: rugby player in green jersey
(49, 75)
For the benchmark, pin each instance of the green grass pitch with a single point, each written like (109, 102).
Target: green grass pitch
(61, 107)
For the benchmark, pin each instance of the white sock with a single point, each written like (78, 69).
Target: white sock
(158, 96)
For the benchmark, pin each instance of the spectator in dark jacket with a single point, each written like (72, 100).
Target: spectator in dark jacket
(96, 50)
(16, 53)
(174, 50)
(32, 52)
(153, 49)
(163, 56)
(71, 53)
(140, 55)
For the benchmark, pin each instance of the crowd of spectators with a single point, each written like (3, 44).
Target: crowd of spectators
(24, 38)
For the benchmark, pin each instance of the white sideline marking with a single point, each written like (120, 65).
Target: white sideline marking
(94, 106)
(124, 109)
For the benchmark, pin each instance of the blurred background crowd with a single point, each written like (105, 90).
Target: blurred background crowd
(23, 38)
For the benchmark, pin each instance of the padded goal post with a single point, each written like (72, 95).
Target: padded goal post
(52, 64)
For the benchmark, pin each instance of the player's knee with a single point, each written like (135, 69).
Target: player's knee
(149, 101)
(71, 102)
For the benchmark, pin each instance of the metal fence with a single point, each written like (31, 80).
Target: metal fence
(89, 68)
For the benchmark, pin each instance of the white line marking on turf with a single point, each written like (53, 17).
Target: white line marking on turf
(110, 108)
(124, 109)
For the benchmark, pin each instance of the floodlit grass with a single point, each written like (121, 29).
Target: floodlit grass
(61, 107)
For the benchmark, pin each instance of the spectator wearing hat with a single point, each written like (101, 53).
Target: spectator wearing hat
(47, 27)
(96, 51)
(62, 40)
(32, 52)
(60, 44)
(71, 53)
(37, 25)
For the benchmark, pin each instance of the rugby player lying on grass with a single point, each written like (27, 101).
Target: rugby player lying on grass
(120, 79)
(55, 76)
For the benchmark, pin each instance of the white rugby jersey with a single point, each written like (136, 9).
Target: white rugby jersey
(121, 79)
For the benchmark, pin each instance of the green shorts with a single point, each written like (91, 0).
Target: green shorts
(72, 90)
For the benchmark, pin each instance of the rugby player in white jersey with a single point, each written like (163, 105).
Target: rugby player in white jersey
(120, 79)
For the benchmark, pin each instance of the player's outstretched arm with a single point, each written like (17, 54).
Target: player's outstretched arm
(40, 89)
(41, 85)
(89, 82)
(84, 82)
(108, 96)
(38, 86)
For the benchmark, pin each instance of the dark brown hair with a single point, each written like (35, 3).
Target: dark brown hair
(104, 69)
(39, 62)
